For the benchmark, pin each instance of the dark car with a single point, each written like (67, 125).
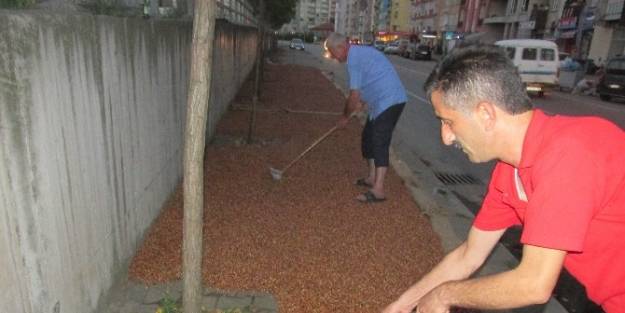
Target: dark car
(297, 43)
(380, 45)
(612, 83)
(422, 52)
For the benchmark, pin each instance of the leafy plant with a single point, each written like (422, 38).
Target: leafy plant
(16, 4)
(108, 7)
(168, 305)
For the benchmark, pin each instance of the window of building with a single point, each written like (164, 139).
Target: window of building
(510, 52)
(547, 55)
(512, 7)
(529, 54)
(555, 4)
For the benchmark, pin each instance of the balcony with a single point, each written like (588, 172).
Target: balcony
(502, 19)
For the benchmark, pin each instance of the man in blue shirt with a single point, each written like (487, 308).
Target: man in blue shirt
(372, 82)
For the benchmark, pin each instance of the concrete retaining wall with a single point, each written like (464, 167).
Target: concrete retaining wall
(92, 113)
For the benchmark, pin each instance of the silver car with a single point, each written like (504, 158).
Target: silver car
(297, 44)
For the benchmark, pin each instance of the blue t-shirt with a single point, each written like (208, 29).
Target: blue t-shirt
(371, 73)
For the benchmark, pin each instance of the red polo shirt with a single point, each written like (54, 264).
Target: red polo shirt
(572, 170)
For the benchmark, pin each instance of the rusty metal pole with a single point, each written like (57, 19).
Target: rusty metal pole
(194, 145)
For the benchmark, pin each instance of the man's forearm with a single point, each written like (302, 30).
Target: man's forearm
(531, 282)
(352, 104)
(453, 267)
(501, 291)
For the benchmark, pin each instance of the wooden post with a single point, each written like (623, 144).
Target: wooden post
(194, 144)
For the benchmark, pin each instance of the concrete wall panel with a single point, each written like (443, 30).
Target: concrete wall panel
(92, 113)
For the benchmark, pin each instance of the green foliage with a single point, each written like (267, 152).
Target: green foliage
(109, 7)
(279, 12)
(16, 4)
(168, 305)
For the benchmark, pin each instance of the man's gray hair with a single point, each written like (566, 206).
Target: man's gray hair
(468, 76)
(335, 40)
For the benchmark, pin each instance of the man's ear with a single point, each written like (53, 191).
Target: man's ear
(487, 114)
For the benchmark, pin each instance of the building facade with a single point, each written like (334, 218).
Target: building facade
(608, 35)
(400, 16)
(310, 13)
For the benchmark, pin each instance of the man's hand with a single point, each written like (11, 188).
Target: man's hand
(432, 302)
(457, 265)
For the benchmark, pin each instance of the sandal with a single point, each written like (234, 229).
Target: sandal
(371, 198)
(362, 182)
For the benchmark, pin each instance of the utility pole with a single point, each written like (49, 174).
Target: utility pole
(194, 145)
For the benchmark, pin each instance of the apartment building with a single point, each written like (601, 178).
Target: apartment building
(448, 15)
(585, 29)
(309, 13)
(608, 35)
(400, 16)
(384, 15)
(507, 19)
(424, 16)
(357, 19)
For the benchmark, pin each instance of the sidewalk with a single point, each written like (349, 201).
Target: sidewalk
(301, 244)
(132, 297)
(448, 214)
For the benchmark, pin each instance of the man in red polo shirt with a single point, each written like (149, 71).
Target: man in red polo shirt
(561, 178)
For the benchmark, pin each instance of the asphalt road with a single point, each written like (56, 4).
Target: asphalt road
(417, 139)
(417, 132)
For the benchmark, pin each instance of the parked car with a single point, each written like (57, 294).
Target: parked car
(421, 52)
(297, 43)
(379, 44)
(537, 61)
(391, 48)
(409, 51)
(612, 83)
(397, 47)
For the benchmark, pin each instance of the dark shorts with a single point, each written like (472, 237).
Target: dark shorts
(377, 134)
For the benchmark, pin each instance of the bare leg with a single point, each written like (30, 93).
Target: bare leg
(378, 185)
(379, 173)
(371, 177)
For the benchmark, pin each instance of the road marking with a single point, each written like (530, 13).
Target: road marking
(424, 100)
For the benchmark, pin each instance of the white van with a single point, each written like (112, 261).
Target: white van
(537, 61)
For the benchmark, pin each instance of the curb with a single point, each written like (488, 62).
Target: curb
(451, 220)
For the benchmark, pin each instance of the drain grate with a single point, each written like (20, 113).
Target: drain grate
(456, 179)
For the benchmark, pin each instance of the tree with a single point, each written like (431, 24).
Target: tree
(195, 132)
(279, 12)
